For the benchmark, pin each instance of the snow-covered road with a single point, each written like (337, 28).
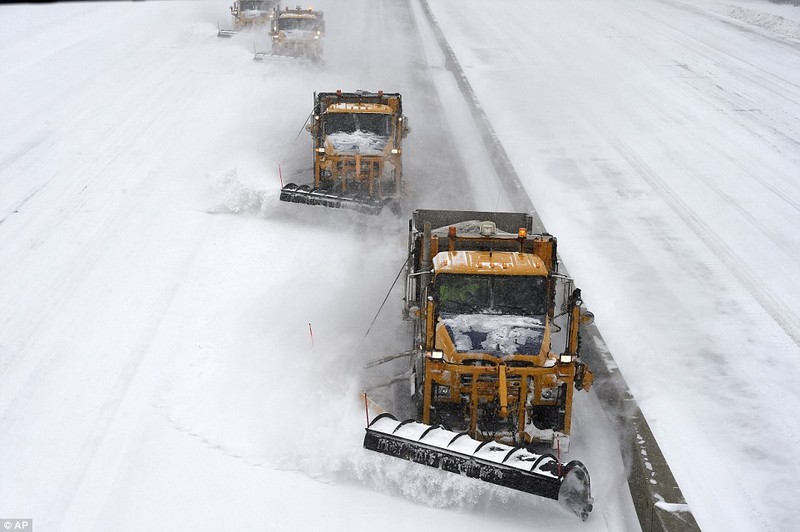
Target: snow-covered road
(156, 366)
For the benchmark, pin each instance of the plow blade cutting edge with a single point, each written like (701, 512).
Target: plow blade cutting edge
(222, 32)
(504, 465)
(354, 202)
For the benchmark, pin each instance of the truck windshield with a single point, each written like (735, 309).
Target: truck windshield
(518, 295)
(296, 23)
(351, 122)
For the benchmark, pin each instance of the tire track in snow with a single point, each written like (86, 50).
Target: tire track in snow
(781, 313)
(779, 87)
(102, 431)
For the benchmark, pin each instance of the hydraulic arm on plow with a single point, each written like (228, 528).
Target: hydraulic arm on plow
(487, 387)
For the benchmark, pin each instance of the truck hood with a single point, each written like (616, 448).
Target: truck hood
(497, 335)
(357, 143)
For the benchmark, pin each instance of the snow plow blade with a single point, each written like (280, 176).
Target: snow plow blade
(503, 465)
(314, 196)
(269, 55)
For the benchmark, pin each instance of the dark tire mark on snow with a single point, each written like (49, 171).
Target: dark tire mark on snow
(21, 203)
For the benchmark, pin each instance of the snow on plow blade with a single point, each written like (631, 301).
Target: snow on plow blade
(512, 467)
(355, 202)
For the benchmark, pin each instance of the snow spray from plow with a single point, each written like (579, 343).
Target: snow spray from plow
(357, 152)
(497, 463)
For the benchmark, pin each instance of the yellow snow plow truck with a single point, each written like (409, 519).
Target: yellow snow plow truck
(298, 33)
(249, 13)
(357, 152)
(487, 304)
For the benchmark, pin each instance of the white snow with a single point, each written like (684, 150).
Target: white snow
(157, 302)
(357, 143)
(502, 333)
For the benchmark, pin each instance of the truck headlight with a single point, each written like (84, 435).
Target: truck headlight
(437, 355)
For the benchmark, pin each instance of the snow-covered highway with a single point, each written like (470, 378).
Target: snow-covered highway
(156, 368)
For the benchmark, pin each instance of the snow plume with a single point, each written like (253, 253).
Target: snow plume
(441, 489)
(234, 196)
(425, 485)
(278, 386)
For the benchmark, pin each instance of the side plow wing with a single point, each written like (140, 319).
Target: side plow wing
(503, 465)
(315, 196)
(222, 32)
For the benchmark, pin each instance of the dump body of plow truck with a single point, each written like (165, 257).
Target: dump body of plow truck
(298, 33)
(357, 152)
(487, 304)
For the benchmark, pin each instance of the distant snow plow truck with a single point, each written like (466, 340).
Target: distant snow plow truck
(357, 150)
(487, 387)
(249, 13)
(297, 33)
